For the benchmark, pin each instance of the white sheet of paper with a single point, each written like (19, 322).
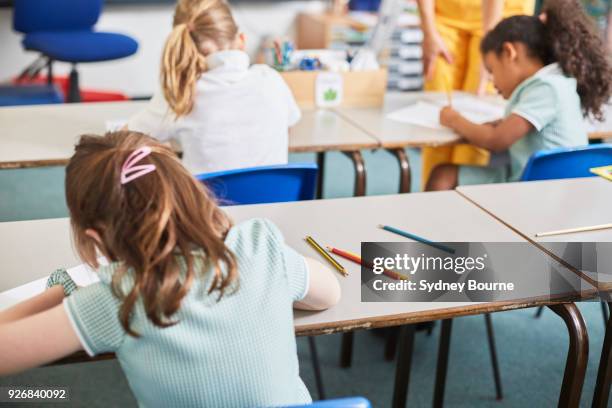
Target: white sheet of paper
(427, 112)
(82, 275)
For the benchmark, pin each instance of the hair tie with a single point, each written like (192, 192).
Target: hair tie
(130, 171)
(190, 26)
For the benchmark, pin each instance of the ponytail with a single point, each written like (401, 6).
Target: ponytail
(200, 27)
(579, 49)
(564, 35)
(182, 65)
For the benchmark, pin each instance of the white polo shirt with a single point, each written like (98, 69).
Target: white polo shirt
(241, 117)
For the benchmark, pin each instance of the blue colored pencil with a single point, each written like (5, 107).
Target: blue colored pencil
(417, 238)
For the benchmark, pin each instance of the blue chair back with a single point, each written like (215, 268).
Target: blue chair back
(267, 184)
(353, 402)
(567, 162)
(55, 15)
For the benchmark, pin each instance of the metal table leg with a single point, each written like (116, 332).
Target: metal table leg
(443, 351)
(404, 164)
(604, 373)
(577, 354)
(316, 367)
(346, 349)
(360, 172)
(404, 360)
(321, 173)
(494, 362)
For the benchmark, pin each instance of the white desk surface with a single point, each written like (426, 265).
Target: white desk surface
(49, 132)
(32, 249)
(541, 206)
(324, 130)
(393, 134)
(46, 134)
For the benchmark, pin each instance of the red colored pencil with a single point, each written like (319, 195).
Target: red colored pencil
(357, 259)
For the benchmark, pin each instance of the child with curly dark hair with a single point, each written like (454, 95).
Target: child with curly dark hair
(554, 70)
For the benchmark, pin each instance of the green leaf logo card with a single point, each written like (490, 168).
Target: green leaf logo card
(328, 89)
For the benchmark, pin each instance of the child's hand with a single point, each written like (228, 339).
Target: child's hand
(448, 116)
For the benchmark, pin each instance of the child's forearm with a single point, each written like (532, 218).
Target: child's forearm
(46, 300)
(478, 135)
(496, 137)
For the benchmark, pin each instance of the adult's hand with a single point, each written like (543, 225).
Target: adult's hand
(434, 47)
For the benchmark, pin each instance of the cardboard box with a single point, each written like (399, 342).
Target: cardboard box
(361, 89)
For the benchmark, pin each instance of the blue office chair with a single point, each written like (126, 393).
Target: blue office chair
(567, 162)
(267, 184)
(13, 95)
(63, 30)
(352, 402)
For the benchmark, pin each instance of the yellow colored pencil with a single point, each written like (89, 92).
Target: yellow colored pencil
(326, 255)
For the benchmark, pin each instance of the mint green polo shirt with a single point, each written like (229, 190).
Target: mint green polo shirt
(236, 352)
(549, 101)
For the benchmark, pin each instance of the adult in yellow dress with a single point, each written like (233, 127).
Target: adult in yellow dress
(451, 58)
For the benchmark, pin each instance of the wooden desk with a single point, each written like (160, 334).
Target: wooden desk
(395, 136)
(45, 135)
(37, 247)
(539, 206)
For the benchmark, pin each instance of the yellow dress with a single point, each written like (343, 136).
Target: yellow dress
(459, 23)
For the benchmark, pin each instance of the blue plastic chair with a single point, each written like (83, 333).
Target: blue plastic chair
(364, 5)
(13, 95)
(267, 184)
(62, 30)
(567, 162)
(353, 402)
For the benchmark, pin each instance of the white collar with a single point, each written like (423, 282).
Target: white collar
(550, 69)
(234, 60)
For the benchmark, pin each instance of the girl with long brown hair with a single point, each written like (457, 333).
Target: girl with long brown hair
(225, 113)
(555, 70)
(198, 311)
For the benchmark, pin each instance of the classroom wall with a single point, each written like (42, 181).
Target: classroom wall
(149, 25)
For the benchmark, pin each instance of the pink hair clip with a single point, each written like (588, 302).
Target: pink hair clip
(130, 171)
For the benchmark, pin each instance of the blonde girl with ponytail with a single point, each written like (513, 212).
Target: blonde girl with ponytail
(224, 113)
(198, 311)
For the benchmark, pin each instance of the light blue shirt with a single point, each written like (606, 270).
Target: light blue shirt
(549, 101)
(236, 352)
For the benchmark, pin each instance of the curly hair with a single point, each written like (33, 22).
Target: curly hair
(565, 35)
